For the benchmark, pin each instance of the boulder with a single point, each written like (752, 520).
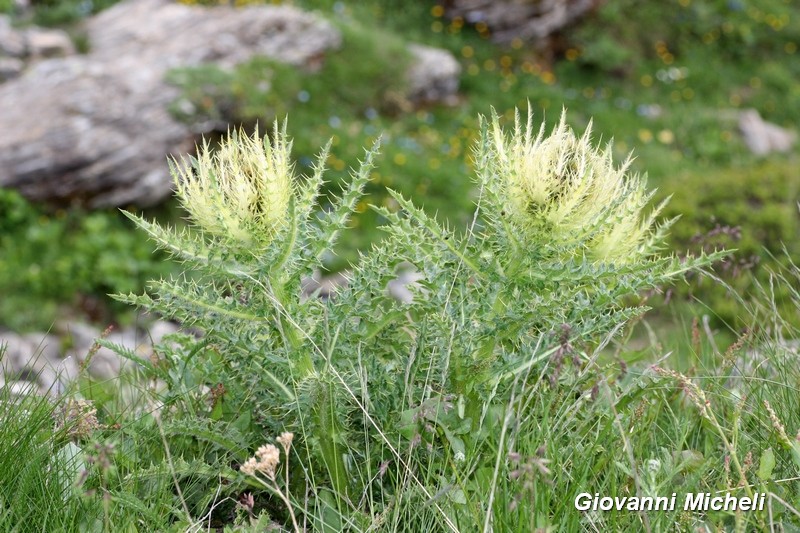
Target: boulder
(38, 358)
(529, 20)
(12, 41)
(48, 43)
(20, 45)
(20, 388)
(102, 362)
(35, 357)
(10, 67)
(95, 129)
(763, 137)
(433, 76)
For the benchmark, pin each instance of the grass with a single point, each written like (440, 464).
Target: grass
(101, 458)
(54, 261)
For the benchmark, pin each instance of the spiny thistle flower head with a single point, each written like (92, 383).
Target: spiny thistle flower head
(563, 189)
(240, 192)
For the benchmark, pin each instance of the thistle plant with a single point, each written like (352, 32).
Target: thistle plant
(387, 396)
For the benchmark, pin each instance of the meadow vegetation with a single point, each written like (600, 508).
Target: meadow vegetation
(487, 403)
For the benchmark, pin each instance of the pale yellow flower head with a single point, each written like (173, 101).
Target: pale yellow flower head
(242, 190)
(562, 188)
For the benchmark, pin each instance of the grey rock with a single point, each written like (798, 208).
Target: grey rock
(79, 336)
(48, 43)
(21, 388)
(529, 20)
(131, 340)
(66, 372)
(763, 137)
(401, 287)
(34, 357)
(323, 286)
(38, 357)
(95, 129)
(434, 75)
(47, 348)
(12, 42)
(106, 363)
(160, 329)
(33, 42)
(16, 351)
(10, 67)
(102, 363)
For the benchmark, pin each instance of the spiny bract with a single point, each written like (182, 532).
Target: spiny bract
(242, 191)
(560, 188)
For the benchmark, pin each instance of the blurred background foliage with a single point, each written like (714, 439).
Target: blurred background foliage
(663, 78)
(54, 264)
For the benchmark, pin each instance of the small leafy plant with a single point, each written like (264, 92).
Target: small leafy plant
(405, 411)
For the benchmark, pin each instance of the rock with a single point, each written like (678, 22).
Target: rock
(103, 363)
(160, 329)
(66, 372)
(323, 287)
(401, 287)
(12, 42)
(434, 75)
(16, 350)
(10, 67)
(131, 340)
(79, 336)
(763, 137)
(529, 20)
(48, 43)
(33, 43)
(95, 129)
(35, 357)
(46, 347)
(21, 388)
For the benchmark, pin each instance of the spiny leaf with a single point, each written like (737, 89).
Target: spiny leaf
(322, 236)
